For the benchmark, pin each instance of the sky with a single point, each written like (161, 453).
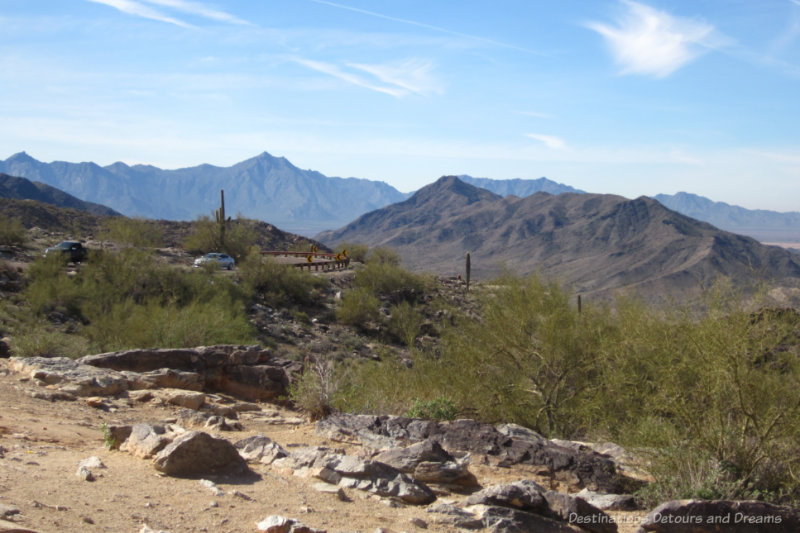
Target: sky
(609, 96)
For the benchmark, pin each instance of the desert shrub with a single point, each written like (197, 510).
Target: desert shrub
(405, 322)
(390, 280)
(358, 307)
(128, 299)
(277, 284)
(127, 325)
(239, 238)
(383, 255)
(12, 232)
(42, 340)
(50, 288)
(355, 251)
(138, 232)
(530, 359)
(315, 390)
(436, 409)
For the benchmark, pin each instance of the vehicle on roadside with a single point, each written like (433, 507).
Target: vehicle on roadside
(223, 260)
(70, 250)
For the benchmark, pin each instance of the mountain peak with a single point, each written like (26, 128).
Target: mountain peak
(21, 157)
(455, 188)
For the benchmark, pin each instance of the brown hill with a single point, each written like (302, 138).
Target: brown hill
(23, 189)
(597, 243)
(77, 224)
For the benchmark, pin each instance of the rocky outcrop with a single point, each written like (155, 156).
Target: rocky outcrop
(348, 471)
(701, 516)
(506, 444)
(246, 372)
(429, 463)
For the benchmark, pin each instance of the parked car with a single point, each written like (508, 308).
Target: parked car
(223, 260)
(69, 250)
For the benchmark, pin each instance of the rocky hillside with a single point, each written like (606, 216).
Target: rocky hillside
(264, 188)
(23, 189)
(74, 224)
(597, 243)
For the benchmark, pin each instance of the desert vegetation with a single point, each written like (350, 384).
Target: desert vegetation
(708, 397)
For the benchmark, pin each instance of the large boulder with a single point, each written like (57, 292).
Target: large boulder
(525, 495)
(197, 453)
(428, 462)
(146, 440)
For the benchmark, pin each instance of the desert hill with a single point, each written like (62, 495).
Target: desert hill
(23, 189)
(595, 242)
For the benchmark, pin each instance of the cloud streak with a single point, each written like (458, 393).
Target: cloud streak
(431, 27)
(394, 79)
(145, 9)
(654, 43)
(550, 141)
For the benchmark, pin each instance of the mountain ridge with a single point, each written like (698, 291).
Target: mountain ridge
(596, 243)
(306, 201)
(263, 187)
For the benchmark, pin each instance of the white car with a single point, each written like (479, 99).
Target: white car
(223, 260)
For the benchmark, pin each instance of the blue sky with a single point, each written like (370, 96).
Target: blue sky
(615, 96)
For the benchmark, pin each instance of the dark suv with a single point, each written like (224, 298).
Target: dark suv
(70, 250)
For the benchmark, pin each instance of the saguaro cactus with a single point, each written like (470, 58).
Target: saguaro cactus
(469, 269)
(219, 215)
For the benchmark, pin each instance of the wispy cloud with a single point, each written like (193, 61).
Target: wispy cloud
(138, 9)
(534, 114)
(145, 9)
(550, 141)
(201, 10)
(650, 42)
(431, 27)
(394, 79)
(413, 75)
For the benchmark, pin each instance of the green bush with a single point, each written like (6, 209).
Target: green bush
(42, 340)
(390, 280)
(355, 251)
(383, 256)
(12, 232)
(128, 299)
(239, 238)
(358, 307)
(278, 284)
(138, 232)
(405, 322)
(436, 409)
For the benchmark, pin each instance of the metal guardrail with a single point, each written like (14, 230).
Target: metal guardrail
(314, 260)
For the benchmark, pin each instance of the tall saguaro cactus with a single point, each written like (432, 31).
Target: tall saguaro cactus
(219, 215)
(469, 269)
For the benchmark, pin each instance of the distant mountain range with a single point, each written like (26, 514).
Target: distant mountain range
(23, 189)
(265, 188)
(306, 202)
(595, 242)
(766, 226)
